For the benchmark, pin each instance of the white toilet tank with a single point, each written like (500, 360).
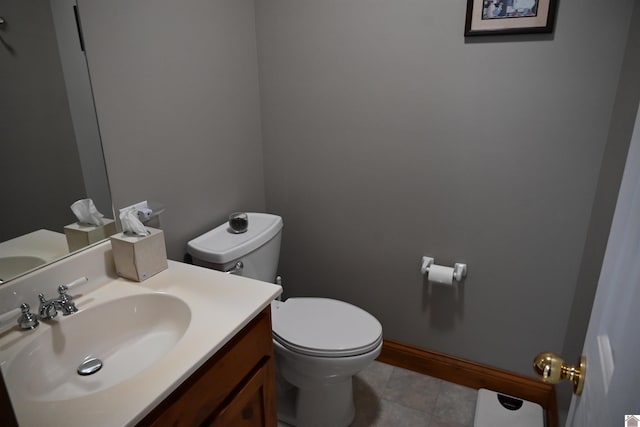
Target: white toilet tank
(258, 248)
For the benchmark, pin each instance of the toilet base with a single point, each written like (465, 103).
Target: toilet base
(326, 406)
(317, 391)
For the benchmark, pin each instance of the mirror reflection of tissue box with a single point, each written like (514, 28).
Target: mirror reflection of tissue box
(79, 236)
(139, 257)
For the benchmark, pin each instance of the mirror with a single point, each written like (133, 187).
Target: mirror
(51, 151)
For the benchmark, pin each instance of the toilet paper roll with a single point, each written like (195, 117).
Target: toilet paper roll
(440, 274)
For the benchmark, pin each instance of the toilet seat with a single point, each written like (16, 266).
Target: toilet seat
(324, 327)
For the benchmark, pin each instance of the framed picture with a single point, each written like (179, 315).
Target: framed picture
(488, 17)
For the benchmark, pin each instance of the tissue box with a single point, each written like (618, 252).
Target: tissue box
(139, 257)
(79, 236)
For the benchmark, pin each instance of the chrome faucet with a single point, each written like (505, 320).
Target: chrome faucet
(49, 308)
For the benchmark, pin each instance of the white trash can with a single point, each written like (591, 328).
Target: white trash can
(499, 410)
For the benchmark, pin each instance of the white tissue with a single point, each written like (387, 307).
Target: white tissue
(131, 225)
(86, 212)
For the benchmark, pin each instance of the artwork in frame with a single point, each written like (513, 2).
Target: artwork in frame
(488, 17)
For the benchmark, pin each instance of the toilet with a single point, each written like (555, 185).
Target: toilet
(319, 343)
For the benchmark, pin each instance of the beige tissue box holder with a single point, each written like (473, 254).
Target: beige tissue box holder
(139, 257)
(79, 236)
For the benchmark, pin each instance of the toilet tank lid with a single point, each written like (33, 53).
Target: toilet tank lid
(220, 245)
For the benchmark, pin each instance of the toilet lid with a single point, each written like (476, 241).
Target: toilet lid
(324, 327)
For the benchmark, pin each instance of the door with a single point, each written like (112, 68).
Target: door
(612, 344)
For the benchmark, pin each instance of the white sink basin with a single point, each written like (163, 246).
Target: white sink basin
(127, 334)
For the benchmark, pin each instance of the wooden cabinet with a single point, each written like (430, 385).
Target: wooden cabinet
(7, 416)
(235, 388)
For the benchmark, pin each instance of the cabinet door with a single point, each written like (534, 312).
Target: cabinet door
(252, 406)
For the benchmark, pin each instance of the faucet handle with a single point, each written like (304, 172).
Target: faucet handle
(64, 298)
(66, 301)
(27, 320)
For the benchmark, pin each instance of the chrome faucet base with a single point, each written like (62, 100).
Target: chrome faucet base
(27, 320)
(47, 309)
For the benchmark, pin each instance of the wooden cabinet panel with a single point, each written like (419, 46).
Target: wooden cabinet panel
(248, 409)
(7, 416)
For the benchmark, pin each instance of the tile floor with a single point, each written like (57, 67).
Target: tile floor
(387, 396)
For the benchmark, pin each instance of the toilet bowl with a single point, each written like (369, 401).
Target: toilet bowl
(319, 343)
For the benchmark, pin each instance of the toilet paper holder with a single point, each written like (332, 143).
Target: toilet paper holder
(459, 269)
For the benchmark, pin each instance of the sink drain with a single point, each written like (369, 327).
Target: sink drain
(89, 366)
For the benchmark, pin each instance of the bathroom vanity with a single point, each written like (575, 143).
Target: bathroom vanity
(188, 346)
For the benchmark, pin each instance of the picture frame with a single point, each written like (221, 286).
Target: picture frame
(493, 17)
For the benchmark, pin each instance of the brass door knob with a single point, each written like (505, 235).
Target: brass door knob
(552, 369)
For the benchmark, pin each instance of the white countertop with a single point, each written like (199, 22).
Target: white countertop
(221, 305)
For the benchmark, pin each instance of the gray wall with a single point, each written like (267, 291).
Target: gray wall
(176, 90)
(40, 170)
(388, 136)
